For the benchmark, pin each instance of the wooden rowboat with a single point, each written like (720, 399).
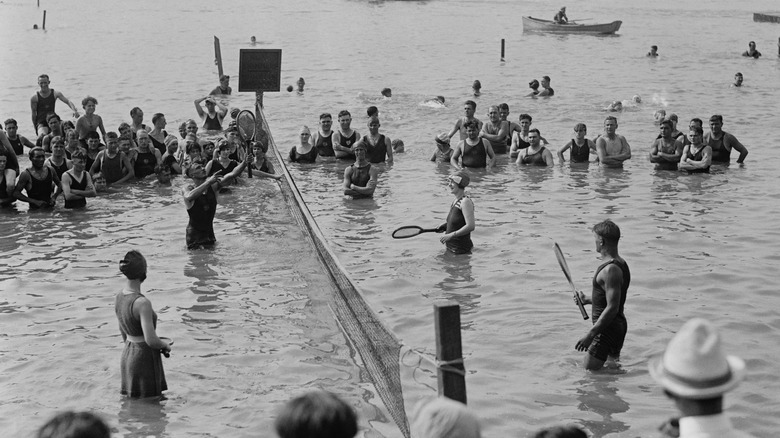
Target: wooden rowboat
(531, 24)
(766, 18)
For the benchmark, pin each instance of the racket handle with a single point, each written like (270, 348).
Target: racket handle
(582, 308)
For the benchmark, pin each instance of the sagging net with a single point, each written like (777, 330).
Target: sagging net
(378, 347)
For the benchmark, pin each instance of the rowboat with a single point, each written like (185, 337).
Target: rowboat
(766, 18)
(531, 24)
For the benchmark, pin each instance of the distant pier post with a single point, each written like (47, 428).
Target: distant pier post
(502, 50)
(449, 354)
(218, 56)
(44, 20)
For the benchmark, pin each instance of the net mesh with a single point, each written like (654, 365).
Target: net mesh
(246, 125)
(378, 347)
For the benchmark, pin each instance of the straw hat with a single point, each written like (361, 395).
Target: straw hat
(443, 139)
(694, 365)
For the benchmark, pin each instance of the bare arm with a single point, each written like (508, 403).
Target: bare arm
(145, 314)
(127, 168)
(562, 150)
(611, 279)
(548, 157)
(201, 114)
(65, 100)
(455, 129)
(491, 155)
(34, 108)
(24, 184)
(736, 145)
(455, 160)
(389, 148)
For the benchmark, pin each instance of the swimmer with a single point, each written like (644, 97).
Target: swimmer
(77, 184)
(636, 98)
(751, 51)
(476, 87)
(615, 106)
(659, 116)
(495, 131)
(722, 142)
(469, 108)
(158, 134)
(223, 88)
(212, 119)
(697, 156)
(737, 80)
(148, 158)
(18, 142)
(111, 164)
(253, 40)
(58, 160)
(90, 121)
(6, 183)
(653, 53)
(460, 219)
(443, 152)
(137, 116)
(378, 146)
(520, 138)
(323, 137)
(473, 151)
(55, 130)
(612, 148)
(580, 146)
(666, 151)
(503, 114)
(372, 111)
(610, 287)
(534, 86)
(261, 167)
(43, 103)
(386, 92)
(547, 91)
(173, 157)
(300, 83)
(535, 154)
(398, 146)
(304, 152)
(360, 178)
(200, 199)
(436, 102)
(345, 137)
(40, 183)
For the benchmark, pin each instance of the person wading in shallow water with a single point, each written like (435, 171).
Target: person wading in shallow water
(610, 285)
(460, 220)
(200, 199)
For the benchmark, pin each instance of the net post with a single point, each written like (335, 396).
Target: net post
(218, 56)
(452, 384)
(502, 49)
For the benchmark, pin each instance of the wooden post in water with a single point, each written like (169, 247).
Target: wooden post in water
(502, 50)
(218, 56)
(449, 355)
(44, 20)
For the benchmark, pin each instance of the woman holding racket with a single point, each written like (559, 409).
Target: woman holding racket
(460, 220)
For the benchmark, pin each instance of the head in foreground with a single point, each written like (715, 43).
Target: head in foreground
(316, 414)
(74, 425)
(444, 418)
(133, 266)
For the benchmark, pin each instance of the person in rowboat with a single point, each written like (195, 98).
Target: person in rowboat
(610, 284)
(561, 17)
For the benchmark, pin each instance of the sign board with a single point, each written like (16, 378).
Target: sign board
(260, 70)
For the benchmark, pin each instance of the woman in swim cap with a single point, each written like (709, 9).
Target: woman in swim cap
(141, 365)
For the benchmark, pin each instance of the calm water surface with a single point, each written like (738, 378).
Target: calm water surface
(250, 319)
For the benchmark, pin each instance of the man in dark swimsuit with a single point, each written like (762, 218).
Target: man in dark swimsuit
(323, 138)
(360, 178)
(17, 141)
(473, 151)
(345, 137)
(43, 103)
(666, 151)
(722, 142)
(379, 148)
(697, 156)
(148, 158)
(751, 51)
(469, 108)
(547, 89)
(223, 88)
(112, 166)
(536, 154)
(610, 285)
(38, 181)
(212, 119)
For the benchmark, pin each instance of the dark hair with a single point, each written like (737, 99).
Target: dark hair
(613, 118)
(561, 432)
(472, 103)
(223, 146)
(477, 84)
(716, 118)
(156, 117)
(325, 116)
(607, 230)
(10, 122)
(78, 154)
(317, 414)
(44, 76)
(135, 111)
(372, 111)
(526, 116)
(87, 100)
(34, 150)
(74, 425)
(111, 135)
(536, 131)
(67, 125)
(133, 266)
(697, 129)
(344, 113)
(92, 134)
(697, 121)
(654, 47)
(193, 146)
(386, 91)
(470, 124)
(52, 116)
(668, 123)
(546, 78)
(260, 145)
(503, 106)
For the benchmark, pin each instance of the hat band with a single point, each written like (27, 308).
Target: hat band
(699, 384)
(441, 142)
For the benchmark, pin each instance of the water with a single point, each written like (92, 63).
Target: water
(249, 319)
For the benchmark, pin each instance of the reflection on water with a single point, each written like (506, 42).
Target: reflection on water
(142, 417)
(599, 395)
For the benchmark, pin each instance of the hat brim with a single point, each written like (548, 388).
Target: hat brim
(677, 387)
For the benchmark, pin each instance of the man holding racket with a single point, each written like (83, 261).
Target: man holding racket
(610, 284)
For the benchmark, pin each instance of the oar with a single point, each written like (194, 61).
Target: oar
(567, 273)
(413, 230)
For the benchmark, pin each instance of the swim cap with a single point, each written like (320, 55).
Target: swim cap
(534, 84)
(460, 178)
(443, 139)
(133, 266)
(170, 139)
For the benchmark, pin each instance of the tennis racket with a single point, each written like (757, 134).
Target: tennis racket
(567, 273)
(245, 122)
(413, 230)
